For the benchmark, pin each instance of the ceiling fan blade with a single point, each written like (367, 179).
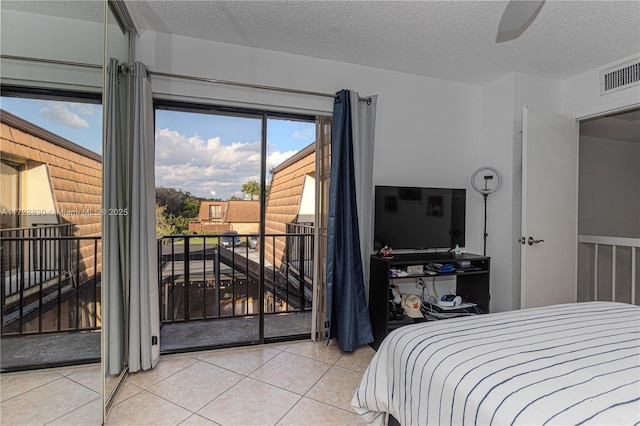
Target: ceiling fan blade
(517, 17)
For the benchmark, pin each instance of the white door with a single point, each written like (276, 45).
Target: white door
(549, 208)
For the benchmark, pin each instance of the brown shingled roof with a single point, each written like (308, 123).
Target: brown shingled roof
(245, 211)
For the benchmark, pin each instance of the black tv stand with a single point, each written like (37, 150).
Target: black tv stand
(472, 284)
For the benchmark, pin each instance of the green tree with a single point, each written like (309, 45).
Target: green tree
(251, 188)
(190, 207)
(178, 202)
(163, 224)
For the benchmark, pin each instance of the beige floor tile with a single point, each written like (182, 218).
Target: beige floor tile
(88, 415)
(357, 360)
(281, 346)
(336, 388)
(167, 366)
(318, 350)
(45, 403)
(197, 420)
(243, 361)
(127, 390)
(196, 386)
(250, 402)
(292, 372)
(89, 377)
(66, 371)
(310, 412)
(14, 384)
(146, 408)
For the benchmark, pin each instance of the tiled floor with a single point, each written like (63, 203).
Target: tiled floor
(298, 383)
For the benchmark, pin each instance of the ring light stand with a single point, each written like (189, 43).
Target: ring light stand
(488, 173)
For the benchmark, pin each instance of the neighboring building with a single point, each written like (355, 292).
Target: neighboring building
(291, 201)
(57, 180)
(242, 216)
(49, 188)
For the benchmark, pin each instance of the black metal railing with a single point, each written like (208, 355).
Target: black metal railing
(50, 280)
(300, 249)
(44, 255)
(208, 277)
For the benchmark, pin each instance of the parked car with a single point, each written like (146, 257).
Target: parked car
(230, 239)
(252, 241)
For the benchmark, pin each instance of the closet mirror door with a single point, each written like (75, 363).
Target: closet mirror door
(116, 137)
(51, 150)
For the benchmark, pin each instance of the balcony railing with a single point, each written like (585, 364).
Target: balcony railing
(50, 280)
(205, 277)
(609, 253)
(300, 250)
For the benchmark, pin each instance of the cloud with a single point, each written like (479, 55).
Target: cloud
(60, 113)
(200, 166)
(80, 108)
(276, 158)
(304, 135)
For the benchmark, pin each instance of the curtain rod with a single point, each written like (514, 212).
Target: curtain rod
(50, 61)
(239, 84)
(126, 68)
(250, 86)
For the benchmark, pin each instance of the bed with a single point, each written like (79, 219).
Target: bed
(564, 364)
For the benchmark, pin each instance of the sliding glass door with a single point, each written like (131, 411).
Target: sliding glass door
(235, 193)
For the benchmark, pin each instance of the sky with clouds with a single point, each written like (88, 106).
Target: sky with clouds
(81, 123)
(208, 155)
(211, 156)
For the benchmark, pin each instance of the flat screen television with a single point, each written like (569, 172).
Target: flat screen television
(416, 218)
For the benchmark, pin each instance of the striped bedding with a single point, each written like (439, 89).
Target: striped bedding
(564, 364)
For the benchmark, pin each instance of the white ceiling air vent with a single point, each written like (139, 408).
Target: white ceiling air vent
(620, 77)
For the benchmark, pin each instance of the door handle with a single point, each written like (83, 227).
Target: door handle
(531, 241)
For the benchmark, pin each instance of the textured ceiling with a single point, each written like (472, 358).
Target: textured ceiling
(453, 40)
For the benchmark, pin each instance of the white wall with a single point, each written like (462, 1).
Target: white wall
(502, 104)
(498, 132)
(609, 196)
(39, 194)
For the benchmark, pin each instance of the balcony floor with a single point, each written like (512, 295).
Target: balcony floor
(231, 331)
(50, 350)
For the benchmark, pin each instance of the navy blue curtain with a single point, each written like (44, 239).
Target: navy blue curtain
(347, 313)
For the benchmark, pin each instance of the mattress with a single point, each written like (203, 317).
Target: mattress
(564, 364)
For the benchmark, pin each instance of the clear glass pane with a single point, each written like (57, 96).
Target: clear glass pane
(207, 189)
(290, 215)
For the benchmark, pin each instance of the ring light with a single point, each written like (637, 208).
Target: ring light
(485, 190)
(490, 173)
